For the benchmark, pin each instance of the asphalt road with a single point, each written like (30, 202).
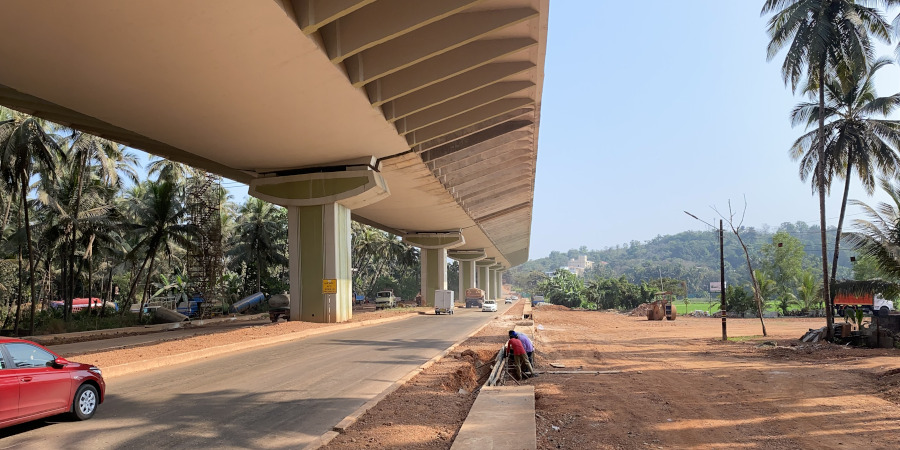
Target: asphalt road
(282, 396)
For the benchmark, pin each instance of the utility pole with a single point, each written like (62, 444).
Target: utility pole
(721, 271)
(722, 279)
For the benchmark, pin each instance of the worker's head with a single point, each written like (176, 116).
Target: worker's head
(512, 334)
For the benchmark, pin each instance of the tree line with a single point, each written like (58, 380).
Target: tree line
(77, 220)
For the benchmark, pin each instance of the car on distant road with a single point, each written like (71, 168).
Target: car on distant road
(508, 300)
(489, 306)
(37, 383)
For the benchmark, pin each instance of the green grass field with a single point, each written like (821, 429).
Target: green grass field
(694, 305)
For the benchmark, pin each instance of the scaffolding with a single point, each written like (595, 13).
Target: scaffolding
(204, 259)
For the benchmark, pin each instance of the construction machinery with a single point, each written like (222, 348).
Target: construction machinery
(663, 306)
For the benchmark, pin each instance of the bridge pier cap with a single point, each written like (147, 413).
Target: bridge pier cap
(434, 246)
(319, 200)
(483, 279)
(467, 259)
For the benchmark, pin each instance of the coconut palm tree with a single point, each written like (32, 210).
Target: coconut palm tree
(258, 237)
(808, 292)
(160, 227)
(878, 236)
(167, 170)
(820, 34)
(25, 148)
(855, 139)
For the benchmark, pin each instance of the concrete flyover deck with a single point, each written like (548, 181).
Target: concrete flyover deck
(501, 418)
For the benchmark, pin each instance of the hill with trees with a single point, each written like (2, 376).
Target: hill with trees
(685, 263)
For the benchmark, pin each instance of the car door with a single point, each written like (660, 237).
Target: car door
(41, 388)
(9, 391)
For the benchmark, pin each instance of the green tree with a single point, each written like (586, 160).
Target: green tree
(739, 300)
(866, 268)
(855, 139)
(768, 289)
(160, 227)
(821, 34)
(782, 260)
(563, 288)
(809, 291)
(24, 149)
(259, 237)
(877, 237)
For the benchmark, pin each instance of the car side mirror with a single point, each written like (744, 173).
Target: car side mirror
(58, 363)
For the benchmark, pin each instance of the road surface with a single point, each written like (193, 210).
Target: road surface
(282, 396)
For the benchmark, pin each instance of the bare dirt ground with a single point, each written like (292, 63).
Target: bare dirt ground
(680, 386)
(165, 347)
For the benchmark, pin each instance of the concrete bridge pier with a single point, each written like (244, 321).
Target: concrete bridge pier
(466, 259)
(319, 201)
(434, 246)
(497, 279)
(483, 280)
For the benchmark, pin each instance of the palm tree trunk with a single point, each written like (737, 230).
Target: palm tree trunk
(24, 182)
(127, 304)
(840, 225)
(90, 286)
(72, 274)
(258, 276)
(147, 282)
(6, 213)
(18, 296)
(826, 287)
(109, 291)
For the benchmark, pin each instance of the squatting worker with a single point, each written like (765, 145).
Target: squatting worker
(515, 348)
(529, 347)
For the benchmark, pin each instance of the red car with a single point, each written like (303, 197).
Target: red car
(37, 383)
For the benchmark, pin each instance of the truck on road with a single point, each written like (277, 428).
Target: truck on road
(474, 298)
(385, 299)
(443, 301)
(870, 303)
(279, 306)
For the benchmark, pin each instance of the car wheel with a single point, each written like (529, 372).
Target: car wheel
(884, 311)
(85, 403)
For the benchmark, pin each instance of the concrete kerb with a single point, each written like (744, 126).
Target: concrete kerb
(325, 438)
(209, 352)
(51, 339)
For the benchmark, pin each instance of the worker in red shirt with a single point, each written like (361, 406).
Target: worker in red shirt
(516, 352)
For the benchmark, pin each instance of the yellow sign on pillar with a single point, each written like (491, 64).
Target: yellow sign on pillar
(329, 286)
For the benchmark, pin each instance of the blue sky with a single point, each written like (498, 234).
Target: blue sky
(670, 106)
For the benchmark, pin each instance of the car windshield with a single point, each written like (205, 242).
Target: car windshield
(489, 302)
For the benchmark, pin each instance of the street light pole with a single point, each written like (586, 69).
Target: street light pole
(721, 271)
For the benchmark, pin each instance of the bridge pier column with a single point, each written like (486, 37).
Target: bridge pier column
(467, 259)
(498, 282)
(483, 280)
(319, 205)
(434, 246)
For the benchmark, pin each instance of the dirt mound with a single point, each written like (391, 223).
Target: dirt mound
(462, 378)
(641, 310)
(551, 307)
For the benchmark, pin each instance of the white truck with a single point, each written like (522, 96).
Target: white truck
(385, 299)
(443, 301)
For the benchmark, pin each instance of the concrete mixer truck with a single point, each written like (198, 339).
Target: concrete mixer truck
(279, 306)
